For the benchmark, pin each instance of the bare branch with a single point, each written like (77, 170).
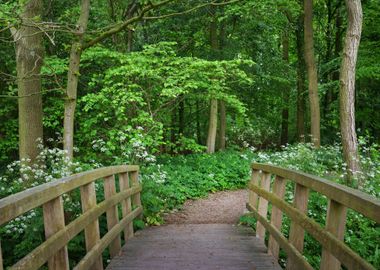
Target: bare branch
(190, 10)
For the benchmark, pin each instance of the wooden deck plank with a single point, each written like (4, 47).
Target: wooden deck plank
(194, 246)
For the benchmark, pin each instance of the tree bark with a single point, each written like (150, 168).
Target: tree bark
(285, 108)
(347, 88)
(223, 125)
(301, 104)
(213, 123)
(181, 116)
(73, 78)
(29, 58)
(312, 74)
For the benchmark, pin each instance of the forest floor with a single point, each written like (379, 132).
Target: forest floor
(221, 207)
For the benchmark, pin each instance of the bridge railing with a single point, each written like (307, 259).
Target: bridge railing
(58, 234)
(334, 251)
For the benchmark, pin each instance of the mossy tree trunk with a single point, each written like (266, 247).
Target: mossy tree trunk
(73, 78)
(286, 92)
(347, 88)
(312, 73)
(301, 104)
(213, 123)
(29, 57)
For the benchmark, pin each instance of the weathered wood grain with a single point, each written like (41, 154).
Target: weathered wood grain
(328, 241)
(352, 198)
(126, 205)
(255, 180)
(112, 214)
(194, 246)
(54, 221)
(36, 258)
(136, 199)
(107, 239)
(276, 216)
(17, 204)
(263, 206)
(291, 251)
(91, 231)
(297, 232)
(335, 224)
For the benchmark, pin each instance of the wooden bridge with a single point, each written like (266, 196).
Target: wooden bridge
(213, 246)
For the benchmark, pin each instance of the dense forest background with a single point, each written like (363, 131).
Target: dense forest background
(159, 83)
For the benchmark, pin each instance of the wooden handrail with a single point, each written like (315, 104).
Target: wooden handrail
(58, 234)
(335, 252)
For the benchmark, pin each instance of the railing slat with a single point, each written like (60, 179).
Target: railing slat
(91, 256)
(126, 204)
(347, 256)
(263, 205)
(352, 198)
(54, 221)
(276, 216)
(290, 250)
(35, 259)
(112, 214)
(252, 196)
(297, 233)
(91, 232)
(19, 203)
(136, 199)
(335, 223)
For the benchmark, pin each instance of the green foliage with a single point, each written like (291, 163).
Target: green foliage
(173, 180)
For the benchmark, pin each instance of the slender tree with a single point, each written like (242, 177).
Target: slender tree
(347, 88)
(213, 120)
(312, 73)
(300, 125)
(29, 57)
(73, 78)
(286, 90)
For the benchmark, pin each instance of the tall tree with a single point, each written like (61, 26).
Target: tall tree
(286, 90)
(29, 58)
(312, 73)
(213, 120)
(347, 87)
(73, 78)
(300, 125)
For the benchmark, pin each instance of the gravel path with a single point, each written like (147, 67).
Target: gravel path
(221, 207)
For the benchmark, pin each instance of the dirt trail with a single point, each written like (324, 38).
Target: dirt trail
(221, 207)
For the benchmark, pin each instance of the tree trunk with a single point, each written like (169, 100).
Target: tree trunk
(285, 108)
(73, 78)
(223, 125)
(199, 137)
(347, 88)
(300, 82)
(29, 58)
(213, 123)
(312, 73)
(181, 116)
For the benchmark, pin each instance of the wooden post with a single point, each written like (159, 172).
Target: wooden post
(112, 214)
(136, 201)
(335, 223)
(297, 233)
(252, 196)
(276, 217)
(263, 206)
(54, 220)
(91, 232)
(126, 205)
